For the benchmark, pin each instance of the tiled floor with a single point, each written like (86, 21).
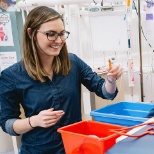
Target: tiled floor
(11, 152)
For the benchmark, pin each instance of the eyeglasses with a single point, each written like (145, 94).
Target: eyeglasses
(52, 35)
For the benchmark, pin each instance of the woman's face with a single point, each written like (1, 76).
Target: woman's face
(50, 48)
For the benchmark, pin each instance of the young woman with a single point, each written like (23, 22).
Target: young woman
(47, 83)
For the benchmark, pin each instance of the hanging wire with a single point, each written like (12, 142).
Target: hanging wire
(142, 28)
(102, 3)
(94, 2)
(149, 4)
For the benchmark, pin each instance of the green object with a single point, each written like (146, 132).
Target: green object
(18, 1)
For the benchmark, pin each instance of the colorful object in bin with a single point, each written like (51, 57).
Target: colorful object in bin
(88, 137)
(123, 113)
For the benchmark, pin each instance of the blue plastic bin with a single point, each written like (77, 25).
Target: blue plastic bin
(123, 113)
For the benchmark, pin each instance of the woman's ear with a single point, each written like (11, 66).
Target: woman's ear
(29, 30)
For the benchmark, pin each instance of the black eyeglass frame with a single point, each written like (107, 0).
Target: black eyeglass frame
(58, 34)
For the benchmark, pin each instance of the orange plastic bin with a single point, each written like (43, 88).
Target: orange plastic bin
(88, 137)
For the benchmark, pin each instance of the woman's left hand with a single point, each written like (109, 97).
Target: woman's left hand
(115, 72)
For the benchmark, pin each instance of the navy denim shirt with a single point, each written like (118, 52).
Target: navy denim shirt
(60, 93)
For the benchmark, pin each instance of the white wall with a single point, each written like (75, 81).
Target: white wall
(103, 35)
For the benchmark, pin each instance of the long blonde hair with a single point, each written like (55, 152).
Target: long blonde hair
(61, 63)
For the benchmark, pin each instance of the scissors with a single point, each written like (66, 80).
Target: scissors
(124, 131)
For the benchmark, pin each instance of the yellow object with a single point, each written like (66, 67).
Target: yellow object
(128, 2)
(109, 64)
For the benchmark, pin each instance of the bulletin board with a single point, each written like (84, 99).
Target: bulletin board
(16, 27)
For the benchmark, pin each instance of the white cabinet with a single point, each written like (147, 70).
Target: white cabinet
(5, 142)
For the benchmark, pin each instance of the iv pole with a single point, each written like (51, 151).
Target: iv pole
(140, 49)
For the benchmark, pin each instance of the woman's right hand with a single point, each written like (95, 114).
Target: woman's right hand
(46, 118)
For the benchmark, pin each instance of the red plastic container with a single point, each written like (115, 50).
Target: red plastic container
(88, 137)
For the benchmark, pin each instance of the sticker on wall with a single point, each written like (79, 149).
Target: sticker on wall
(131, 72)
(7, 59)
(7, 5)
(6, 38)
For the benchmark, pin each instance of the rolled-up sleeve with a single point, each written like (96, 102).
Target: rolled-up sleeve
(10, 102)
(108, 95)
(9, 127)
